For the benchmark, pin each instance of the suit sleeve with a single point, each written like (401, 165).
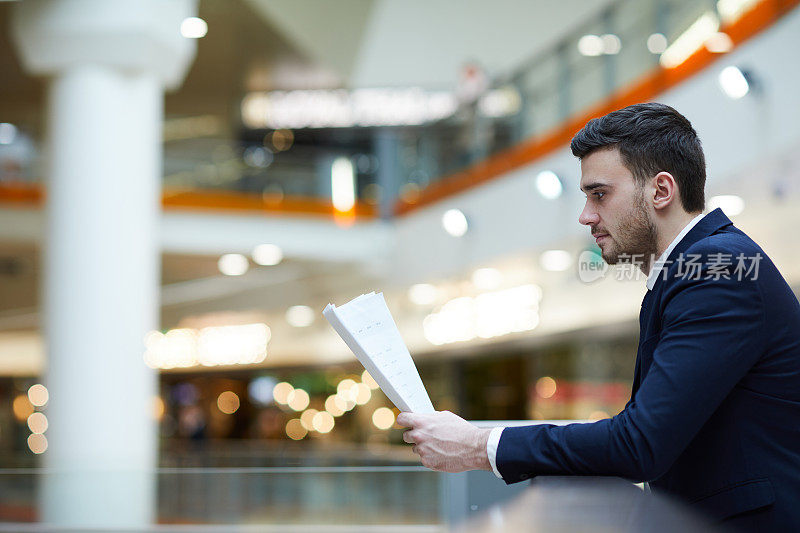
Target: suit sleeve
(710, 338)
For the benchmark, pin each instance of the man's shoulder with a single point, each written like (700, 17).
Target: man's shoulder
(728, 240)
(727, 257)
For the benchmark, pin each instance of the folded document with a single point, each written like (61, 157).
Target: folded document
(367, 327)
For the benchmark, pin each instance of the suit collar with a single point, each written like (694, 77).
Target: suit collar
(708, 225)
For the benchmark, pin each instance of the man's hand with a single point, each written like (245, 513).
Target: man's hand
(446, 442)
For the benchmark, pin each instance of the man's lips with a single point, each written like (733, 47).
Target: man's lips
(599, 237)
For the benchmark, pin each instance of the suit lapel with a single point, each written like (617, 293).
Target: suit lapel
(708, 225)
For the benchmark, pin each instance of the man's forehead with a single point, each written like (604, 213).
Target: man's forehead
(603, 167)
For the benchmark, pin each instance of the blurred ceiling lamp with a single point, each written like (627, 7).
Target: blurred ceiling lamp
(657, 43)
(212, 346)
(590, 45)
(611, 44)
(490, 314)
(690, 41)
(343, 185)
(423, 294)
(733, 82)
(502, 102)
(267, 254)
(8, 132)
(719, 43)
(730, 204)
(556, 260)
(300, 316)
(732, 10)
(194, 28)
(233, 264)
(549, 184)
(369, 107)
(487, 279)
(455, 222)
(596, 45)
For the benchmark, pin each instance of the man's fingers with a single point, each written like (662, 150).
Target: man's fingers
(406, 419)
(408, 436)
(414, 449)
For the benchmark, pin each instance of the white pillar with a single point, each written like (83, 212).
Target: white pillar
(109, 66)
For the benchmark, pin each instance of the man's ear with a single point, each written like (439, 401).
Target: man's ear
(665, 190)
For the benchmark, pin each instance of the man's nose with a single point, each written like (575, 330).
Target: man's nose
(588, 217)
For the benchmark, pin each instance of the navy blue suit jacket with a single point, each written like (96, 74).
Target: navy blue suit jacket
(714, 414)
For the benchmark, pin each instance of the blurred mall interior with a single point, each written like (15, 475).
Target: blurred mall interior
(185, 185)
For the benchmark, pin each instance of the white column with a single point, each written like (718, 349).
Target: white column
(109, 63)
(100, 295)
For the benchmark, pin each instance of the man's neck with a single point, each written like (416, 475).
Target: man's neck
(668, 229)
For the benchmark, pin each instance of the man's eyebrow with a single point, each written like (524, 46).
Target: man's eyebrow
(594, 185)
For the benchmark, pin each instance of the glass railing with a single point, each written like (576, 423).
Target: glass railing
(375, 496)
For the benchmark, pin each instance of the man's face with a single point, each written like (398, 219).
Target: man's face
(615, 209)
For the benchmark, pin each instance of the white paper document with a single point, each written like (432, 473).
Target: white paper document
(367, 327)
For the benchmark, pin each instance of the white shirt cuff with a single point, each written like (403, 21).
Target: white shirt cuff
(491, 449)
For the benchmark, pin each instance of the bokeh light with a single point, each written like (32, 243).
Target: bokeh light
(158, 408)
(298, 399)
(363, 394)
(335, 405)
(37, 423)
(233, 264)
(37, 443)
(369, 381)
(38, 395)
(267, 254)
(307, 418)
(383, 418)
(323, 422)
(455, 222)
(300, 316)
(282, 391)
(295, 429)
(194, 28)
(546, 387)
(228, 402)
(22, 407)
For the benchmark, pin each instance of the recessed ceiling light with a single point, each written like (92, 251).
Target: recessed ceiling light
(549, 184)
(455, 223)
(300, 316)
(194, 28)
(267, 254)
(233, 264)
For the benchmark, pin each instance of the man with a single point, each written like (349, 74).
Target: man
(714, 414)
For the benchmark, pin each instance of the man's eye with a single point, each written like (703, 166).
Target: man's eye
(599, 195)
